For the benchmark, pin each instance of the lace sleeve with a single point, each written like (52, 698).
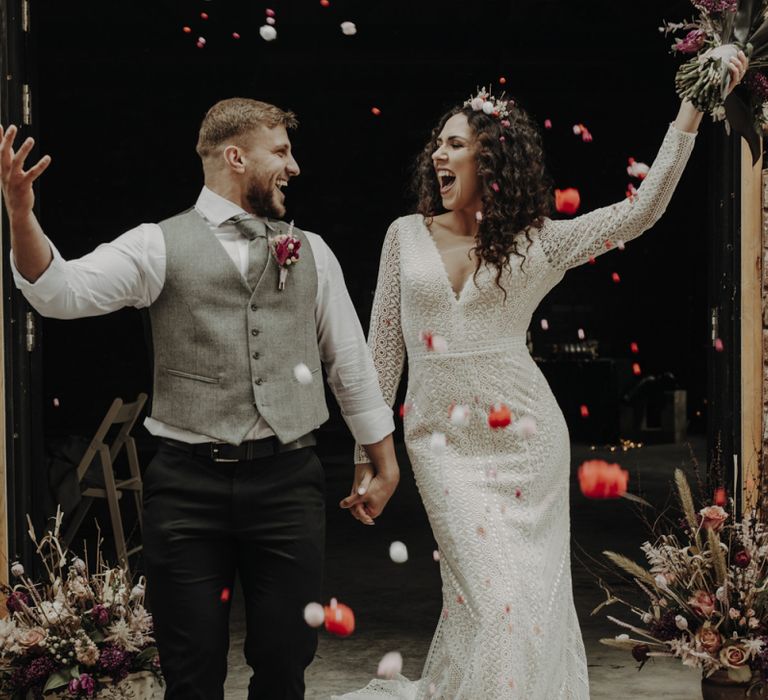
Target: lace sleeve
(385, 336)
(569, 243)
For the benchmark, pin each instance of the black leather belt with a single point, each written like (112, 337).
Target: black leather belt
(250, 449)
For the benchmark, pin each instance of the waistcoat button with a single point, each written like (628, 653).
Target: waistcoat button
(254, 307)
(255, 356)
(254, 332)
(258, 382)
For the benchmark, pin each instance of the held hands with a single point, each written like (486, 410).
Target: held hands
(370, 492)
(16, 182)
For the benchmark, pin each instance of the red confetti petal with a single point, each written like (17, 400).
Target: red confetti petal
(225, 595)
(567, 201)
(203, 15)
(584, 411)
(495, 186)
(270, 12)
(235, 35)
(499, 416)
(339, 619)
(325, 3)
(721, 497)
(186, 30)
(375, 111)
(634, 348)
(636, 369)
(547, 123)
(718, 345)
(502, 80)
(591, 260)
(615, 277)
(599, 479)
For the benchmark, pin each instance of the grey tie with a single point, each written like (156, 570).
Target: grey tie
(258, 249)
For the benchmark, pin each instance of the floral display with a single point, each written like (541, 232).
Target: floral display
(707, 41)
(705, 592)
(78, 633)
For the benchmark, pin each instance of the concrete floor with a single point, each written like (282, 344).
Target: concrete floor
(397, 606)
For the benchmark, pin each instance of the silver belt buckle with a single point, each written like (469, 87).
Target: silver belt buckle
(215, 455)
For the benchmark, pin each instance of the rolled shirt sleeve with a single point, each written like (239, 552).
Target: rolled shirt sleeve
(345, 354)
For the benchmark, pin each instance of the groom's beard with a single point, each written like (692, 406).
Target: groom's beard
(261, 197)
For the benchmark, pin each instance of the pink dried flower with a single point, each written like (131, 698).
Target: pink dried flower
(691, 42)
(757, 83)
(717, 6)
(286, 249)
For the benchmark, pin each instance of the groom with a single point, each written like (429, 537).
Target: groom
(236, 486)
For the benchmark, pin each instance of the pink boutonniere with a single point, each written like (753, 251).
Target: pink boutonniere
(285, 248)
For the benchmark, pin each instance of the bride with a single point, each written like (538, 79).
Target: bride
(458, 284)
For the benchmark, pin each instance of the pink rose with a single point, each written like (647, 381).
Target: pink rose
(713, 518)
(31, 637)
(733, 656)
(702, 603)
(709, 639)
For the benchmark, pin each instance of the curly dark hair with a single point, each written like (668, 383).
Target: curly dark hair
(510, 156)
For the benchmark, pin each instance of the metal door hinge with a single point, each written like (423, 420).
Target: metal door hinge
(26, 104)
(25, 15)
(31, 328)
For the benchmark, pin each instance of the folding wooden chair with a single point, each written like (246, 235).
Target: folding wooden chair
(124, 415)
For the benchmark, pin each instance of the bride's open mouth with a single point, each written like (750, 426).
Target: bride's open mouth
(446, 179)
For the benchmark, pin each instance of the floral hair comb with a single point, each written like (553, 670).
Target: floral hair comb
(485, 102)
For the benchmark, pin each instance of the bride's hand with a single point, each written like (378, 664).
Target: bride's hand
(732, 57)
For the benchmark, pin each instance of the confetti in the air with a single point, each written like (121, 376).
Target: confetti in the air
(325, 3)
(434, 342)
(636, 369)
(621, 245)
(375, 111)
(235, 35)
(398, 552)
(390, 665)
(436, 555)
(203, 15)
(720, 497)
(268, 33)
(459, 415)
(581, 130)
(637, 169)
(348, 28)
(718, 345)
(302, 373)
(56, 403)
(186, 30)
(584, 411)
(567, 201)
(270, 12)
(547, 123)
(495, 186)
(634, 348)
(499, 416)
(339, 619)
(526, 427)
(502, 80)
(478, 216)
(314, 614)
(615, 277)
(226, 594)
(544, 324)
(271, 21)
(599, 479)
(437, 443)
(404, 408)
(580, 333)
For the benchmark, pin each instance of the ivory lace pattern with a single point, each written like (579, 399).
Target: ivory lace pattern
(497, 502)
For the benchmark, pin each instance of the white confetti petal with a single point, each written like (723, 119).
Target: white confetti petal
(398, 552)
(437, 443)
(460, 415)
(390, 666)
(348, 28)
(302, 374)
(314, 615)
(268, 33)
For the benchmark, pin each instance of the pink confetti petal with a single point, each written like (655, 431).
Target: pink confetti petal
(390, 666)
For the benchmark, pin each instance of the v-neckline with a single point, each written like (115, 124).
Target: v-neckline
(446, 277)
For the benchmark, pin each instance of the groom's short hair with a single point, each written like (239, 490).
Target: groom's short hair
(234, 117)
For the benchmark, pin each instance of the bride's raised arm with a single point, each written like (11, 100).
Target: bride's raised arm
(572, 242)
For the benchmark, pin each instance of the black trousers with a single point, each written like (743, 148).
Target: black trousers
(204, 521)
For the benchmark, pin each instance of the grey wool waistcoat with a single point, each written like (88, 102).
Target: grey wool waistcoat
(225, 353)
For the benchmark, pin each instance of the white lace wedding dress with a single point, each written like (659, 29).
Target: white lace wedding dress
(496, 500)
